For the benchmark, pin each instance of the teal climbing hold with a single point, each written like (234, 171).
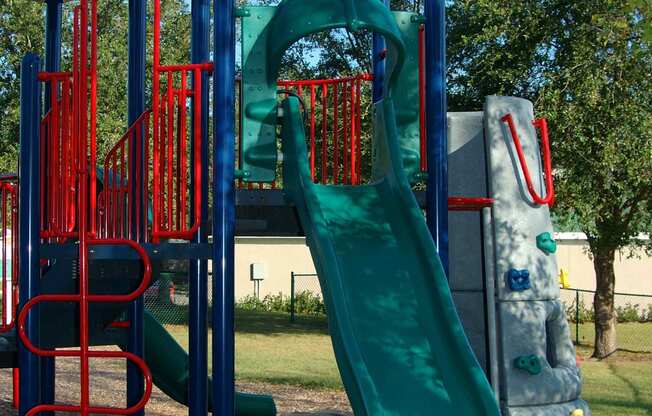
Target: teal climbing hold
(546, 243)
(530, 363)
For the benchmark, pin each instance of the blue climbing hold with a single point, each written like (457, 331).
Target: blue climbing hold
(518, 280)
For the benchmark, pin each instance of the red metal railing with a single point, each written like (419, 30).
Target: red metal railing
(549, 198)
(69, 192)
(171, 167)
(9, 252)
(58, 158)
(334, 112)
(469, 204)
(115, 202)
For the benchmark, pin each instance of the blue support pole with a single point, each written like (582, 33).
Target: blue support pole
(198, 271)
(379, 63)
(136, 106)
(29, 217)
(436, 126)
(223, 207)
(52, 64)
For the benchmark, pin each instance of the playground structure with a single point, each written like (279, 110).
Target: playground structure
(88, 237)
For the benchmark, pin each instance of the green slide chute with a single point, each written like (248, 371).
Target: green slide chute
(399, 343)
(168, 362)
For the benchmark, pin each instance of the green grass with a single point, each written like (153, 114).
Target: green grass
(617, 387)
(633, 336)
(270, 349)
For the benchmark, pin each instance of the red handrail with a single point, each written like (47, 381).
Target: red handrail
(549, 198)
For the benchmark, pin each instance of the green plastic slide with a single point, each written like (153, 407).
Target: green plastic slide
(399, 343)
(168, 362)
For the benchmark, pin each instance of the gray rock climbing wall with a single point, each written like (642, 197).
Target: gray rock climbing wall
(517, 327)
(538, 372)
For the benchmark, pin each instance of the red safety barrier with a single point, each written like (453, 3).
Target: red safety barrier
(9, 253)
(334, 127)
(541, 124)
(58, 158)
(171, 167)
(115, 216)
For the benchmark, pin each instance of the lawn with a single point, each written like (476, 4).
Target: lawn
(270, 349)
(634, 336)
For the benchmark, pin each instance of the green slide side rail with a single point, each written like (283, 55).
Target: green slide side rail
(168, 362)
(267, 32)
(399, 343)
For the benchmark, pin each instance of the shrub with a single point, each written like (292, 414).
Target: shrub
(305, 303)
(309, 303)
(630, 313)
(583, 315)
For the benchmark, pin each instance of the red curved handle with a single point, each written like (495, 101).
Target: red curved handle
(542, 124)
(87, 298)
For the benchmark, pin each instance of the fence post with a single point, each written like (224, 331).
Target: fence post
(292, 277)
(577, 317)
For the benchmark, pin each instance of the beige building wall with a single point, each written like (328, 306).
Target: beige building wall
(282, 255)
(279, 256)
(633, 273)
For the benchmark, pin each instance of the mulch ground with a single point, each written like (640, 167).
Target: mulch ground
(108, 388)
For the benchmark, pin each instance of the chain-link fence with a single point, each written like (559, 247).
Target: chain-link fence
(634, 319)
(305, 296)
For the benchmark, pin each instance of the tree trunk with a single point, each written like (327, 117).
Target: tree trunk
(603, 303)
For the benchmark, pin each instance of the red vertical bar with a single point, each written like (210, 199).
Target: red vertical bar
(93, 144)
(345, 140)
(353, 127)
(162, 164)
(183, 150)
(146, 178)
(312, 132)
(324, 136)
(156, 121)
(65, 179)
(54, 156)
(3, 190)
(197, 168)
(336, 159)
(358, 129)
(422, 98)
(44, 184)
(170, 148)
(122, 192)
(16, 387)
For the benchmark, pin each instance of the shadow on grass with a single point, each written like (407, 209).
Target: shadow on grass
(639, 399)
(277, 323)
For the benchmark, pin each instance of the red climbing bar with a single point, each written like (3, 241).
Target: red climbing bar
(469, 204)
(313, 149)
(547, 160)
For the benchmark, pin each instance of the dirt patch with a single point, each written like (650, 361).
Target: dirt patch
(108, 386)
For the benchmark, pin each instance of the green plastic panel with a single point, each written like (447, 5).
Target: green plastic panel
(267, 32)
(407, 102)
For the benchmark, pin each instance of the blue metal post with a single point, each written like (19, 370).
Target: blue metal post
(29, 200)
(136, 106)
(198, 272)
(223, 207)
(52, 64)
(436, 126)
(379, 63)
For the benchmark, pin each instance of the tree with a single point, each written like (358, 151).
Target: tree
(586, 65)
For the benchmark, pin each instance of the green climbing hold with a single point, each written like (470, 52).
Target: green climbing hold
(546, 243)
(530, 363)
